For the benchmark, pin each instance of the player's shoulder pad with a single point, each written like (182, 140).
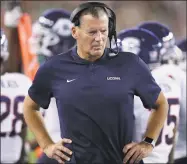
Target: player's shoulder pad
(17, 74)
(20, 77)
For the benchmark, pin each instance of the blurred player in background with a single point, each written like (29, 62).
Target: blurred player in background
(180, 148)
(170, 51)
(147, 46)
(17, 25)
(12, 15)
(51, 35)
(171, 56)
(183, 46)
(13, 65)
(14, 87)
(14, 18)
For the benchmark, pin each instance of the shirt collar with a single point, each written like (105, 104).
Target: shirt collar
(78, 59)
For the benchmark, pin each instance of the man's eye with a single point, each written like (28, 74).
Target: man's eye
(103, 31)
(92, 32)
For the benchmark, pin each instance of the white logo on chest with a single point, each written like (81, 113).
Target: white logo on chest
(68, 81)
(113, 78)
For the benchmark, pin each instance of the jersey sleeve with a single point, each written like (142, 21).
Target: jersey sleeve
(145, 86)
(40, 90)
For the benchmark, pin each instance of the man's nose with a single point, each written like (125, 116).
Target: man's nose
(98, 36)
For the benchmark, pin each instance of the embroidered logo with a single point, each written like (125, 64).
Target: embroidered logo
(113, 78)
(68, 81)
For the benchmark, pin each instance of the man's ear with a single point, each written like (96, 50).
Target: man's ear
(74, 32)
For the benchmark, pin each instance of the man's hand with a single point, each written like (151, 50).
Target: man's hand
(57, 150)
(136, 151)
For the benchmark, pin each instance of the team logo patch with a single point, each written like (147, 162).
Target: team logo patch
(113, 78)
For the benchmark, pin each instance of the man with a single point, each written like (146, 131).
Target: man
(94, 90)
(51, 35)
(170, 52)
(14, 87)
(143, 43)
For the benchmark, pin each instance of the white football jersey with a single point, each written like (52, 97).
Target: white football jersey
(51, 120)
(180, 76)
(164, 144)
(14, 88)
(182, 65)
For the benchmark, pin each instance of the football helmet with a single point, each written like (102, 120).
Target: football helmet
(169, 51)
(4, 47)
(142, 43)
(51, 33)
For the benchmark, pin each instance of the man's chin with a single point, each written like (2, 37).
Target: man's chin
(98, 53)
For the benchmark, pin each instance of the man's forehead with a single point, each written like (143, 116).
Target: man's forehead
(89, 16)
(91, 20)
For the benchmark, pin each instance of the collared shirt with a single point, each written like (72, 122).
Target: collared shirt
(95, 101)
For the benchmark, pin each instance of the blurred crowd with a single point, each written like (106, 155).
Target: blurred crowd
(128, 13)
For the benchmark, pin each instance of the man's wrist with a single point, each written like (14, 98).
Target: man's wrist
(46, 147)
(150, 141)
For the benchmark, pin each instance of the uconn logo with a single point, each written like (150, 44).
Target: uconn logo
(113, 78)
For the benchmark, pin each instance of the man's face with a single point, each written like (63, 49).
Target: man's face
(92, 35)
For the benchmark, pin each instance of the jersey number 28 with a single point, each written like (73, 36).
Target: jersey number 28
(11, 117)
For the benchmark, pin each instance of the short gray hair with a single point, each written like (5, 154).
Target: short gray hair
(95, 11)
